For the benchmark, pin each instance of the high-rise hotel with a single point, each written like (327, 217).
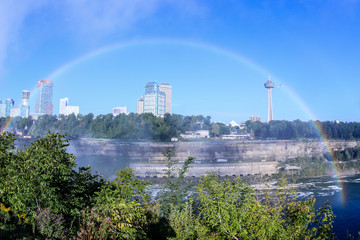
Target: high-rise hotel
(44, 98)
(157, 99)
(166, 88)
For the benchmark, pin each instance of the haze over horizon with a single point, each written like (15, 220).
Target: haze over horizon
(217, 56)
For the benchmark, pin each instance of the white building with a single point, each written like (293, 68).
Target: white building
(140, 105)
(14, 112)
(237, 136)
(2, 108)
(63, 105)
(196, 134)
(119, 110)
(65, 109)
(234, 124)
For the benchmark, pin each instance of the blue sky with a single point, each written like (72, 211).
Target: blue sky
(216, 54)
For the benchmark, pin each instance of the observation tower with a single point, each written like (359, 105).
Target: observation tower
(269, 85)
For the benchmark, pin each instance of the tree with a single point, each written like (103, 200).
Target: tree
(43, 176)
(173, 192)
(229, 210)
(215, 130)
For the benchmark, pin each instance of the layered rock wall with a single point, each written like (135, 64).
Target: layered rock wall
(209, 150)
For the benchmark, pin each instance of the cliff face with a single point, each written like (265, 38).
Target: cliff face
(208, 150)
(107, 156)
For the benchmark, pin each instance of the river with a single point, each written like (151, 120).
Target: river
(344, 197)
(343, 194)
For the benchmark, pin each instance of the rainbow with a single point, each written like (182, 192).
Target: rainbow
(200, 45)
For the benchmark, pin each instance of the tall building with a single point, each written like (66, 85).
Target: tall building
(140, 105)
(65, 109)
(269, 85)
(2, 108)
(9, 105)
(166, 88)
(6, 107)
(25, 108)
(25, 97)
(119, 110)
(154, 99)
(44, 98)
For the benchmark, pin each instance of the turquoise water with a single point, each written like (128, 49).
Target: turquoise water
(344, 200)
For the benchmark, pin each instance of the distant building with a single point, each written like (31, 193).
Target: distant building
(234, 124)
(25, 97)
(72, 110)
(2, 108)
(255, 119)
(154, 100)
(140, 105)
(25, 108)
(237, 136)
(269, 85)
(9, 105)
(62, 106)
(14, 112)
(119, 110)
(242, 125)
(44, 98)
(65, 109)
(196, 134)
(166, 88)
(5, 107)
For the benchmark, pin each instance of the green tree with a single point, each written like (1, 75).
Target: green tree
(174, 191)
(215, 130)
(43, 176)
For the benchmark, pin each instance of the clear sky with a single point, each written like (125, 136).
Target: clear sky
(216, 54)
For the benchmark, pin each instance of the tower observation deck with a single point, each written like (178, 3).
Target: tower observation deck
(269, 85)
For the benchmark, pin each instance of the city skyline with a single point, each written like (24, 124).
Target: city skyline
(216, 55)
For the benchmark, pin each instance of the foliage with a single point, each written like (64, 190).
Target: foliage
(315, 166)
(124, 187)
(174, 191)
(43, 176)
(230, 211)
(50, 224)
(132, 126)
(147, 126)
(42, 195)
(304, 130)
(125, 201)
(347, 154)
(95, 224)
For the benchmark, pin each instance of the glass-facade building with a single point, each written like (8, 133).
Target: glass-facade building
(154, 99)
(9, 104)
(44, 98)
(2, 108)
(5, 107)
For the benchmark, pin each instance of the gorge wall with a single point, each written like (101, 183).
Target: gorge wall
(278, 150)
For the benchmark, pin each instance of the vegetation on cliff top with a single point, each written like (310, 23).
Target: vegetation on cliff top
(147, 126)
